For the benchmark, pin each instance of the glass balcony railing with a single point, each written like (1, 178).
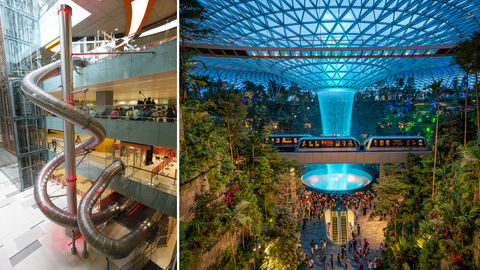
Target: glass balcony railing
(159, 172)
(140, 112)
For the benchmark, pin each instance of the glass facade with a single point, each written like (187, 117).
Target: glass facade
(372, 28)
(22, 123)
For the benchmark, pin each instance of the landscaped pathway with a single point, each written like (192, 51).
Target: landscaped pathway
(370, 229)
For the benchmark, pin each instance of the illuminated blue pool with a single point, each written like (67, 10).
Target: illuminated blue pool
(342, 178)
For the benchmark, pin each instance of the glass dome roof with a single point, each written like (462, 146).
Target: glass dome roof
(333, 24)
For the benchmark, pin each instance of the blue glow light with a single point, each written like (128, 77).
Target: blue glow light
(336, 112)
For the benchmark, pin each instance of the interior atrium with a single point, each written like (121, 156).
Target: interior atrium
(337, 123)
(123, 83)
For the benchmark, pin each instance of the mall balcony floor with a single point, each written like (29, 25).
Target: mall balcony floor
(136, 169)
(28, 240)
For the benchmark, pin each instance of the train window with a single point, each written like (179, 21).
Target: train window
(408, 142)
(420, 142)
(295, 140)
(303, 144)
(375, 143)
(310, 144)
(317, 144)
(387, 142)
(327, 143)
(350, 143)
(337, 143)
(397, 143)
(381, 142)
(287, 140)
(414, 142)
(277, 140)
(344, 143)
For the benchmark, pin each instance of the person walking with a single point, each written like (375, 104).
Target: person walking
(339, 260)
(370, 265)
(346, 263)
(331, 260)
(360, 265)
(312, 245)
(358, 228)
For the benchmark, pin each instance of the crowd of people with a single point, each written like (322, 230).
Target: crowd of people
(145, 110)
(312, 206)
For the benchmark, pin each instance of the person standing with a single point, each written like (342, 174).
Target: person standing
(358, 228)
(346, 263)
(136, 113)
(312, 245)
(331, 260)
(339, 260)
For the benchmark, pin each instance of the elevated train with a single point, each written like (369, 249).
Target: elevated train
(396, 143)
(286, 142)
(309, 143)
(328, 144)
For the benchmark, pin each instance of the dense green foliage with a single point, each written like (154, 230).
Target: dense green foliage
(424, 233)
(241, 175)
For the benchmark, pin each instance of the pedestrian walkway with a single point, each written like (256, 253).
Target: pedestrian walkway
(372, 230)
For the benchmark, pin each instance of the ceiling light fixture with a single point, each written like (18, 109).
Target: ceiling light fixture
(161, 28)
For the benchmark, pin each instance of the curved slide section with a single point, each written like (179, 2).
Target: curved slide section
(73, 115)
(115, 248)
(70, 113)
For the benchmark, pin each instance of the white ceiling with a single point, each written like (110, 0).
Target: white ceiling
(107, 15)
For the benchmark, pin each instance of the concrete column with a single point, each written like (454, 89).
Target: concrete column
(103, 99)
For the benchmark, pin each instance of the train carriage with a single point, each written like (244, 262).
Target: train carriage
(396, 143)
(285, 142)
(328, 144)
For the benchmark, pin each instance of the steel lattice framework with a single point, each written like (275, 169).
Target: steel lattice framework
(277, 27)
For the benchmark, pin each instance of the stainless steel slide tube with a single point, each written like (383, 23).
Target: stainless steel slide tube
(84, 220)
(75, 116)
(113, 248)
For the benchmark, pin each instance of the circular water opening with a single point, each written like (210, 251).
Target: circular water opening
(349, 179)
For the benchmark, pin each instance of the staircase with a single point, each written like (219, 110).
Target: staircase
(335, 226)
(343, 226)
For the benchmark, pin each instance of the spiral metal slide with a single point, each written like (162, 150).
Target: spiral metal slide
(84, 220)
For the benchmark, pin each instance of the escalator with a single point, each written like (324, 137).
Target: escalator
(343, 226)
(335, 226)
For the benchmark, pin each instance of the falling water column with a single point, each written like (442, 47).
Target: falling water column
(336, 113)
(65, 19)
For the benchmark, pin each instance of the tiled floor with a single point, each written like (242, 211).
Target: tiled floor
(372, 230)
(28, 240)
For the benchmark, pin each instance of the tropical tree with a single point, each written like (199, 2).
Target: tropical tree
(437, 90)
(282, 239)
(475, 40)
(391, 191)
(231, 107)
(463, 58)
